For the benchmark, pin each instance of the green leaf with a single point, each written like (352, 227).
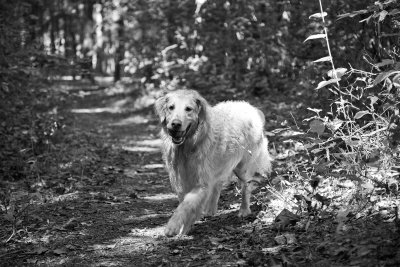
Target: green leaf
(394, 12)
(317, 126)
(339, 73)
(360, 114)
(383, 75)
(366, 19)
(352, 14)
(323, 59)
(382, 15)
(373, 99)
(318, 15)
(384, 63)
(325, 83)
(316, 36)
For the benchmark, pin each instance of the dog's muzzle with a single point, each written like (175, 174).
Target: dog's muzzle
(178, 137)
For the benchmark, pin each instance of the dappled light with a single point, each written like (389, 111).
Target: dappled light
(137, 241)
(85, 94)
(143, 146)
(97, 110)
(160, 197)
(136, 119)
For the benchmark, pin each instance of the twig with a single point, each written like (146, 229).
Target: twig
(12, 235)
(295, 122)
(375, 132)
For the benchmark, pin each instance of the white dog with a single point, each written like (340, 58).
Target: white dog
(203, 146)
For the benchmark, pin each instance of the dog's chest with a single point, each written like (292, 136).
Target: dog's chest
(184, 160)
(186, 170)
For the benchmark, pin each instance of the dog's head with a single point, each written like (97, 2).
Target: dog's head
(180, 113)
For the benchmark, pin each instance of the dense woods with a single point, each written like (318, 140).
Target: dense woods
(325, 73)
(248, 45)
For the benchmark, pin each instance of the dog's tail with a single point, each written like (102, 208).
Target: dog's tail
(264, 159)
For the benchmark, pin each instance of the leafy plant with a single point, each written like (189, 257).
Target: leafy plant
(356, 137)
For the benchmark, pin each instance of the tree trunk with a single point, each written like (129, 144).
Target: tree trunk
(53, 29)
(119, 52)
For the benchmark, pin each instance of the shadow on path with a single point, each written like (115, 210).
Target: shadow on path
(120, 222)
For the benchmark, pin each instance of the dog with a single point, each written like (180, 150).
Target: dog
(203, 146)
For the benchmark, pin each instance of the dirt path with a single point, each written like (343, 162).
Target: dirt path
(116, 215)
(112, 209)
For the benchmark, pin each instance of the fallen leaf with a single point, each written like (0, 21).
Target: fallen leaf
(71, 224)
(360, 114)
(39, 251)
(59, 251)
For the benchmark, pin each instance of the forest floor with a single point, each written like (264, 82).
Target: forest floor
(111, 210)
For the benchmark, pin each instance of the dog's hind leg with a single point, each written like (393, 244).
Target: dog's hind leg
(244, 178)
(188, 211)
(212, 203)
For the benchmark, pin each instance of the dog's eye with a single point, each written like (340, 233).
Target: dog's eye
(171, 107)
(188, 109)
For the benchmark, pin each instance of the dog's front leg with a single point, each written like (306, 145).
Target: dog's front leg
(188, 211)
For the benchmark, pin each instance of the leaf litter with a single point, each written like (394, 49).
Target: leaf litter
(109, 204)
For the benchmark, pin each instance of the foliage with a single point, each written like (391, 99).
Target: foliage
(355, 137)
(252, 49)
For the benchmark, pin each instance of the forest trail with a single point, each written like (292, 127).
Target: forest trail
(82, 182)
(117, 214)
(110, 205)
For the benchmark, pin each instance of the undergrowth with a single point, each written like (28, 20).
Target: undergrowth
(345, 160)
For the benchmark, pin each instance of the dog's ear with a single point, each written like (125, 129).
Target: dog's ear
(203, 107)
(160, 106)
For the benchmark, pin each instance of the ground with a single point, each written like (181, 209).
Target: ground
(111, 212)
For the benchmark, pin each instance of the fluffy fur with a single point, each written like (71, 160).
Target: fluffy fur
(203, 146)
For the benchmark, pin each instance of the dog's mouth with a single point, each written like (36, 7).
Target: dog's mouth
(178, 137)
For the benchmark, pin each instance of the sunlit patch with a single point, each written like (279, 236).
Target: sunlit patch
(96, 110)
(151, 145)
(160, 197)
(140, 149)
(137, 119)
(138, 240)
(153, 166)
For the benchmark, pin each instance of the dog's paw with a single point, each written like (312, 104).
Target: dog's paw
(211, 211)
(244, 212)
(173, 230)
(175, 226)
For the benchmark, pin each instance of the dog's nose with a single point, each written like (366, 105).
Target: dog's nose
(176, 124)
